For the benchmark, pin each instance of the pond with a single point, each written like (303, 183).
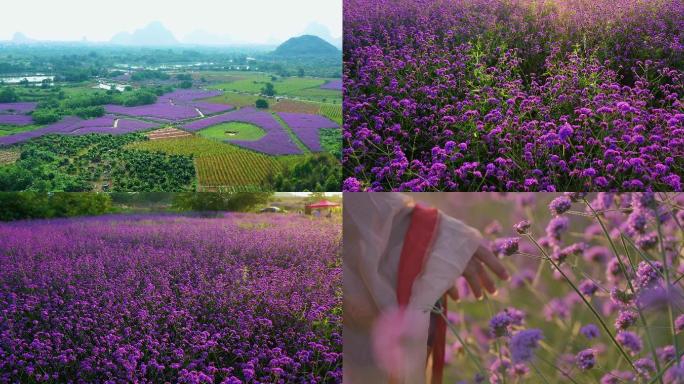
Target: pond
(37, 78)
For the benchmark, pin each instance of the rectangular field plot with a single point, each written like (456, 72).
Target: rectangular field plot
(308, 88)
(218, 165)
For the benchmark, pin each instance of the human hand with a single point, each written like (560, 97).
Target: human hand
(476, 275)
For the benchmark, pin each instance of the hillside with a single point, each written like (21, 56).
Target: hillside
(306, 45)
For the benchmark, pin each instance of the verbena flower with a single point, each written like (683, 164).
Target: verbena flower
(499, 323)
(560, 205)
(590, 331)
(522, 227)
(586, 359)
(506, 246)
(523, 344)
(629, 340)
(625, 319)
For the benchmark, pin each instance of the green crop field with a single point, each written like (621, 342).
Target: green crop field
(218, 165)
(302, 87)
(331, 141)
(332, 111)
(12, 129)
(233, 131)
(235, 99)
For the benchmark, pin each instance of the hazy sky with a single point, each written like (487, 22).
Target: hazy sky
(243, 20)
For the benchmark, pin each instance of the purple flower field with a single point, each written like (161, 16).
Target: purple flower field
(527, 95)
(76, 126)
(161, 110)
(306, 127)
(333, 84)
(17, 108)
(163, 298)
(596, 294)
(16, 119)
(175, 106)
(275, 142)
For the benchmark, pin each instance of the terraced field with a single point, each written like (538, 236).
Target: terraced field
(332, 111)
(218, 165)
(9, 157)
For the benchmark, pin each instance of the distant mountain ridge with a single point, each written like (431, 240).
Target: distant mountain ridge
(154, 34)
(20, 38)
(306, 45)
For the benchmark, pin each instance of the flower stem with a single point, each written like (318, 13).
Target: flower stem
(534, 366)
(470, 355)
(598, 316)
(667, 283)
(558, 369)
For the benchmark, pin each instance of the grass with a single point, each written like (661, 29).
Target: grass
(242, 131)
(291, 133)
(302, 87)
(235, 99)
(296, 106)
(219, 165)
(6, 130)
(331, 141)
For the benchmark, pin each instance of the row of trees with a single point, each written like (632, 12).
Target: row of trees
(35, 205)
(320, 172)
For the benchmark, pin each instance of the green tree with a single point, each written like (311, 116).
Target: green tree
(268, 90)
(210, 202)
(45, 116)
(33, 205)
(8, 95)
(261, 103)
(315, 173)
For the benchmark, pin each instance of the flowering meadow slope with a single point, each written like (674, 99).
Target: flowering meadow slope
(163, 298)
(524, 95)
(596, 294)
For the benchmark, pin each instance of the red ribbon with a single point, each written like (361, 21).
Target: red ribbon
(417, 243)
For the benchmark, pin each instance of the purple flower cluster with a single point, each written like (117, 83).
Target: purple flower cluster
(306, 127)
(498, 325)
(583, 279)
(77, 126)
(506, 246)
(590, 331)
(17, 108)
(524, 343)
(586, 359)
(333, 84)
(560, 205)
(16, 113)
(165, 298)
(16, 119)
(275, 142)
(493, 95)
(175, 106)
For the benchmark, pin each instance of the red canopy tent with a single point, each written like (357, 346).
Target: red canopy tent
(323, 204)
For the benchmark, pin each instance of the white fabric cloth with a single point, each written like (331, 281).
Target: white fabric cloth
(374, 228)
